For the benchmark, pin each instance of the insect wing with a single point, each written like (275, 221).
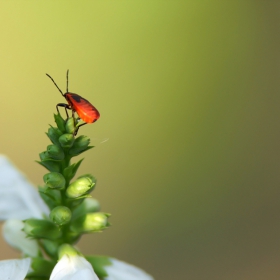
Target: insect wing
(85, 110)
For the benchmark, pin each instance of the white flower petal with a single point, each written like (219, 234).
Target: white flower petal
(73, 268)
(15, 237)
(14, 269)
(123, 271)
(18, 198)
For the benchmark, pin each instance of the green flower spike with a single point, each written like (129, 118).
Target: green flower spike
(72, 211)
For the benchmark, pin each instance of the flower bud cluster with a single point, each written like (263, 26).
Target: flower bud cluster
(72, 210)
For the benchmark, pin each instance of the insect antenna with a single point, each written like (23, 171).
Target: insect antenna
(56, 84)
(67, 80)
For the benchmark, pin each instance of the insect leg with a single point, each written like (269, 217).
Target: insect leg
(66, 106)
(77, 128)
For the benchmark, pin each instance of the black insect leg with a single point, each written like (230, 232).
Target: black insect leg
(77, 128)
(66, 106)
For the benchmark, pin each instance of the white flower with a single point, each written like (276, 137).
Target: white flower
(123, 271)
(73, 268)
(16, 238)
(14, 269)
(19, 199)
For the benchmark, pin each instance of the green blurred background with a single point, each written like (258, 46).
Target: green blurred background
(188, 93)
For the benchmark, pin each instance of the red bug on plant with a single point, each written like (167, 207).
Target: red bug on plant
(85, 110)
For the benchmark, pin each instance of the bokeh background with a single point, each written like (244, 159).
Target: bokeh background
(189, 96)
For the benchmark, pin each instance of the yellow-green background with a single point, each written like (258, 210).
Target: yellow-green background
(189, 96)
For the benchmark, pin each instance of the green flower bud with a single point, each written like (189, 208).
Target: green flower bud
(80, 145)
(55, 152)
(80, 187)
(70, 125)
(91, 222)
(60, 215)
(60, 122)
(41, 229)
(54, 133)
(66, 140)
(54, 180)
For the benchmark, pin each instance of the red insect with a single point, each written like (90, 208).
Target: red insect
(85, 110)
